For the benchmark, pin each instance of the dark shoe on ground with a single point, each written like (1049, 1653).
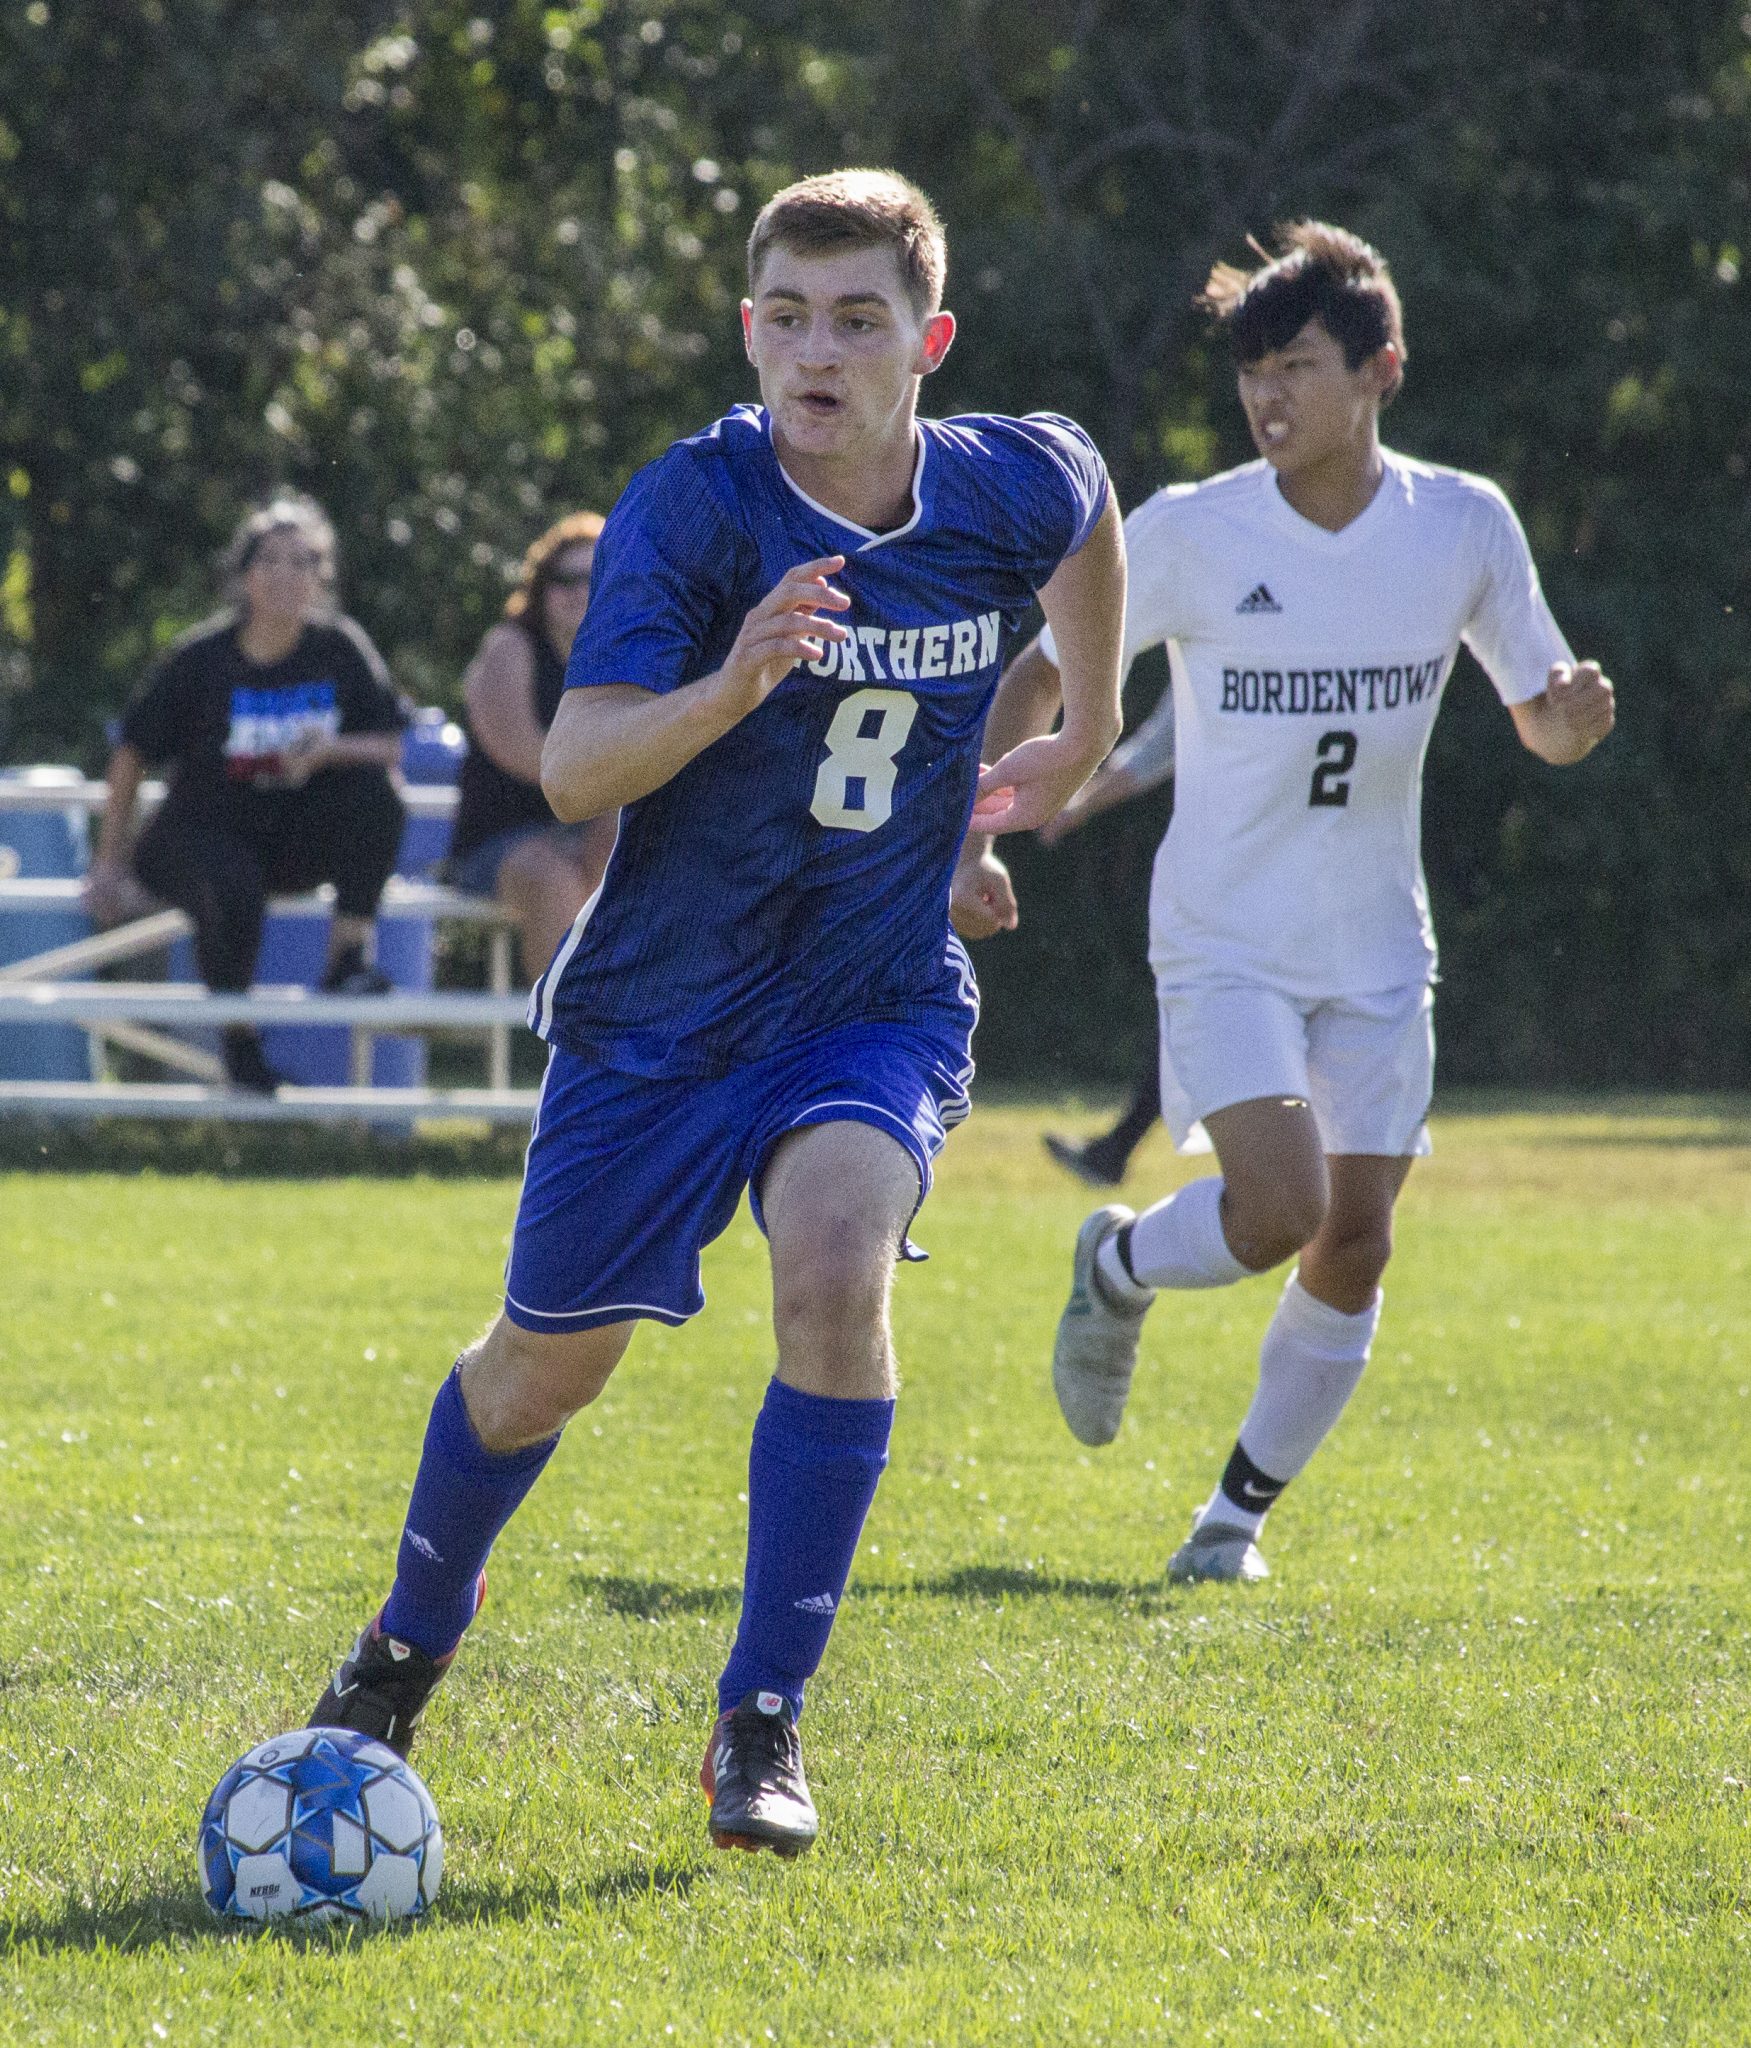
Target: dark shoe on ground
(246, 1064)
(753, 1776)
(381, 1689)
(356, 979)
(1094, 1163)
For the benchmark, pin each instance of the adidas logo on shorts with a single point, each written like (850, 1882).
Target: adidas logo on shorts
(1259, 599)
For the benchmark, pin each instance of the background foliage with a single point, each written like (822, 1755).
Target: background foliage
(455, 269)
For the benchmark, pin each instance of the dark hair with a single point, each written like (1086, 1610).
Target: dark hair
(1322, 273)
(540, 564)
(293, 513)
(857, 210)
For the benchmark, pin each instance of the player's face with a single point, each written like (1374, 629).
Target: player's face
(568, 592)
(1305, 405)
(839, 349)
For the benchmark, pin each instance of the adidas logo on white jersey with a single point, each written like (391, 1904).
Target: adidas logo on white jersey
(1259, 599)
(816, 1603)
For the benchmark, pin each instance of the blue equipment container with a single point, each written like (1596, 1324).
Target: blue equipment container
(42, 845)
(432, 751)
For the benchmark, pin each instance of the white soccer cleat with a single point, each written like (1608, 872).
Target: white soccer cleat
(1095, 1351)
(1219, 1553)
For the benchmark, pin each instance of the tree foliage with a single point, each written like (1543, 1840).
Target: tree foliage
(455, 269)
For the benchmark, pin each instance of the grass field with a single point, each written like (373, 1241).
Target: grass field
(1473, 1767)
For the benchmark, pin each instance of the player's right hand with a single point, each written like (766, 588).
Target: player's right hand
(111, 896)
(785, 627)
(981, 899)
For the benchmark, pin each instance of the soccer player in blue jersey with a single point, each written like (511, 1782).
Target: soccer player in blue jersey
(798, 620)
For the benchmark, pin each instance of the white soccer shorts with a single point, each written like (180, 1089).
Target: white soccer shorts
(1365, 1064)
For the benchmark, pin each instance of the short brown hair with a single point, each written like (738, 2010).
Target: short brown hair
(857, 210)
(537, 572)
(289, 512)
(1321, 273)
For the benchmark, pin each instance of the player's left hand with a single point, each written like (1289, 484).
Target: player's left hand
(1031, 783)
(981, 900)
(1582, 702)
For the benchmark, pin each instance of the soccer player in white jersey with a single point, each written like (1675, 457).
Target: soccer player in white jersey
(1312, 603)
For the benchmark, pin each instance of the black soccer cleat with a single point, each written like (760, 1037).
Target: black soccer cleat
(381, 1689)
(753, 1776)
(1097, 1163)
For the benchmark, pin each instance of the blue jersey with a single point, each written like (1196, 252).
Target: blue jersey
(794, 876)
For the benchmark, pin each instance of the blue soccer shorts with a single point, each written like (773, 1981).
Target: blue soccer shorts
(628, 1178)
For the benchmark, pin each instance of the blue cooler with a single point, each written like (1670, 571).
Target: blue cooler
(42, 845)
(432, 751)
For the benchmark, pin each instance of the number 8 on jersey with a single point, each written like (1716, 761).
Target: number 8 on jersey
(866, 735)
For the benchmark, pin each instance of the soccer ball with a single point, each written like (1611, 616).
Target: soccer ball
(321, 1825)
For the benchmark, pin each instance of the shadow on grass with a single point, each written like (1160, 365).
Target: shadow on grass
(131, 1927)
(140, 1926)
(649, 1599)
(646, 1599)
(634, 1881)
(262, 1151)
(465, 1904)
(1003, 1582)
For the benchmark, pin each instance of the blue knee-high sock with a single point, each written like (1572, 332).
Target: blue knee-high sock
(463, 1495)
(813, 1468)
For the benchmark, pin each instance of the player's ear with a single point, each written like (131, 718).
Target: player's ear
(748, 329)
(1386, 369)
(939, 332)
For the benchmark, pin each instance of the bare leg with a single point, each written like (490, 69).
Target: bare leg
(1343, 1262)
(837, 1198)
(1276, 1185)
(519, 1388)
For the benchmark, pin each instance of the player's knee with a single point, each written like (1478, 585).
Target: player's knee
(520, 1387)
(830, 1273)
(1358, 1259)
(1265, 1225)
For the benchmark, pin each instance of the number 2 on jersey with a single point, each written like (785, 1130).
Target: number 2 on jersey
(1337, 756)
(861, 763)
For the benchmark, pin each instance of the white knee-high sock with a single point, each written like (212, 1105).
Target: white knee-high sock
(1179, 1243)
(1309, 1363)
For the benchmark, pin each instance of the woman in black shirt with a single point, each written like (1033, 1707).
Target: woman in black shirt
(278, 727)
(507, 844)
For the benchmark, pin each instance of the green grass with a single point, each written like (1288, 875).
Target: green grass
(1471, 1768)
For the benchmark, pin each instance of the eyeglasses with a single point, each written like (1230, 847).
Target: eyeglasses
(571, 579)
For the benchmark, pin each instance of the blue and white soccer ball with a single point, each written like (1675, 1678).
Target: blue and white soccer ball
(321, 1825)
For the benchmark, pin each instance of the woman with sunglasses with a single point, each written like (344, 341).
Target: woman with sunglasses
(507, 843)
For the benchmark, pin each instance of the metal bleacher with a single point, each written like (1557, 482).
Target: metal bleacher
(147, 1018)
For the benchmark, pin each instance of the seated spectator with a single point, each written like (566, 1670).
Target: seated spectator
(278, 727)
(507, 844)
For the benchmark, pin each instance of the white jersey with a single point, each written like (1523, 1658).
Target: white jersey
(1307, 670)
